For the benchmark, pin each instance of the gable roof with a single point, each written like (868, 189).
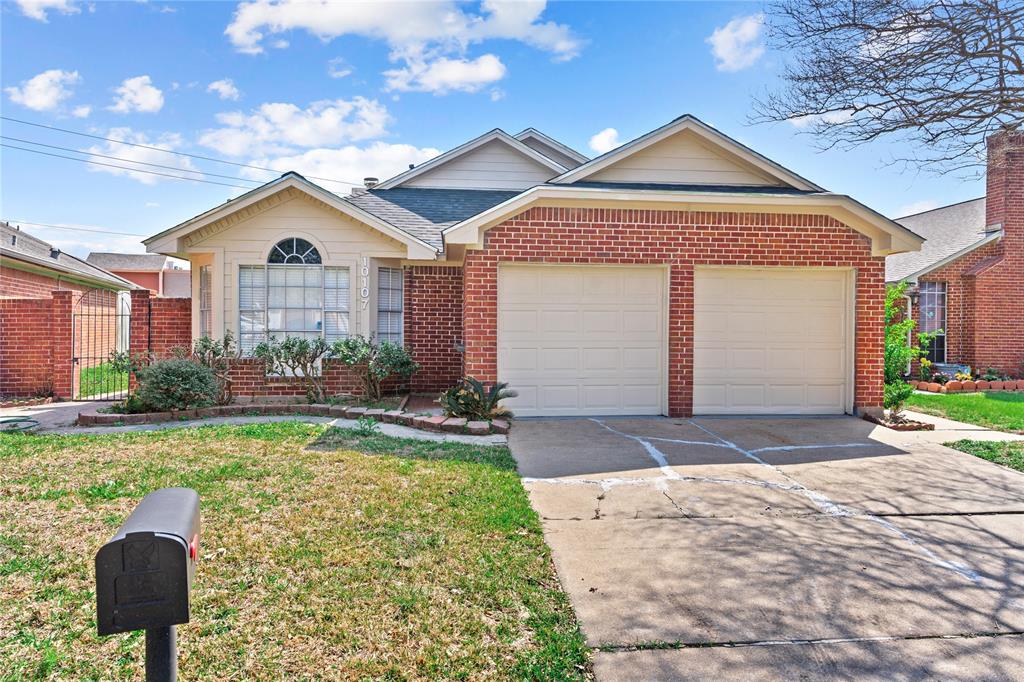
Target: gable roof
(136, 262)
(35, 254)
(426, 212)
(950, 231)
(162, 242)
(496, 135)
(687, 122)
(562, 152)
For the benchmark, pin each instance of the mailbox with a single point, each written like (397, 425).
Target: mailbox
(144, 573)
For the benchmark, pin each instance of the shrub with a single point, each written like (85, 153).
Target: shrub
(299, 357)
(474, 399)
(374, 362)
(217, 355)
(898, 350)
(896, 395)
(176, 384)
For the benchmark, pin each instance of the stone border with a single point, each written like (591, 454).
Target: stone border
(968, 386)
(30, 402)
(437, 423)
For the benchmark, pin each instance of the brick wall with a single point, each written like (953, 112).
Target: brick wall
(20, 284)
(249, 379)
(26, 352)
(433, 325)
(170, 325)
(682, 240)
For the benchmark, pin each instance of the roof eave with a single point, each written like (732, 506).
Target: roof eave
(40, 264)
(942, 262)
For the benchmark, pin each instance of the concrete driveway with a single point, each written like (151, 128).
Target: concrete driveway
(803, 548)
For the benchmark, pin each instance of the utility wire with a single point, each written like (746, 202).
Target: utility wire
(71, 227)
(121, 158)
(125, 168)
(168, 151)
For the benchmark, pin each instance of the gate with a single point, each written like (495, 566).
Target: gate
(100, 324)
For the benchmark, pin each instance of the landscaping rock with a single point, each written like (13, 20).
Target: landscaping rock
(478, 428)
(434, 423)
(420, 421)
(407, 418)
(982, 385)
(953, 386)
(355, 412)
(454, 425)
(320, 410)
(970, 386)
(934, 388)
(375, 413)
(499, 426)
(204, 412)
(157, 417)
(996, 385)
(337, 411)
(1020, 384)
(391, 416)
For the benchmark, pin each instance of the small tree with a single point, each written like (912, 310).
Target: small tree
(299, 357)
(374, 362)
(217, 355)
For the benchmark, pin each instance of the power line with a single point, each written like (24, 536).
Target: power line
(168, 151)
(121, 158)
(71, 227)
(125, 168)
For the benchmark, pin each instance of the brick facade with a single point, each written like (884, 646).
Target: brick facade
(16, 283)
(681, 240)
(433, 325)
(26, 351)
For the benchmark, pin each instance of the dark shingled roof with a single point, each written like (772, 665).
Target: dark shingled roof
(19, 245)
(148, 262)
(948, 230)
(719, 189)
(425, 213)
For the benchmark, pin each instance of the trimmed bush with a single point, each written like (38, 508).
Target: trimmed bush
(176, 384)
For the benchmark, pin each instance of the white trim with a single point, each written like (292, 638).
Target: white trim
(496, 134)
(994, 236)
(551, 142)
(417, 248)
(886, 236)
(715, 137)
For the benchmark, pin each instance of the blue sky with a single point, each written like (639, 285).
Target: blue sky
(364, 89)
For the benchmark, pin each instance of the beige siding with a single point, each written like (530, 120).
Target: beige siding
(682, 159)
(494, 165)
(341, 241)
(550, 152)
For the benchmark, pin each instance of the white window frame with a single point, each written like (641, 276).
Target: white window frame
(386, 308)
(205, 300)
(930, 295)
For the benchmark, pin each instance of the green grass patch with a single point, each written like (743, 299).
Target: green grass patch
(324, 554)
(1007, 453)
(998, 410)
(101, 380)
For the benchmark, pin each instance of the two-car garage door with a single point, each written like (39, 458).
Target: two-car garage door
(585, 340)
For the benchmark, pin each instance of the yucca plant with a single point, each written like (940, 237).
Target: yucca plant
(477, 400)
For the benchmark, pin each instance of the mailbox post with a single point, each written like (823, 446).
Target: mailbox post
(144, 575)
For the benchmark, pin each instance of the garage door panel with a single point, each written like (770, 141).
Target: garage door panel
(770, 341)
(522, 359)
(599, 339)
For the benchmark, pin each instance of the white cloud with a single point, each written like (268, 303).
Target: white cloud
(37, 9)
(737, 45)
(425, 37)
(605, 141)
(278, 127)
(379, 160)
(338, 68)
(45, 91)
(916, 207)
(168, 141)
(81, 111)
(497, 94)
(445, 75)
(225, 89)
(138, 94)
(828, 118)
(152, 204)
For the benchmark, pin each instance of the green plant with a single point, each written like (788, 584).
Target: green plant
(962, 376)
(176, 384)
(217, 355)
(374, 362)
(366, 426)
(474, 399)
(896, 394)
(926, 370)
(899, 352)
(125, 362)
(299, 357)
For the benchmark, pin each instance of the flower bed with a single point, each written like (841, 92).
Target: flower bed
(969, 386)
(424, 422)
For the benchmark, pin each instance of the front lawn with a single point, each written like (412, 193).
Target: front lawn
(101, 380)
(995, 410)
(324, 554)
(1007, 453)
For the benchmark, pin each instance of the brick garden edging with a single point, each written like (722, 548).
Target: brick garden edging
(423, 422)
(968, 386)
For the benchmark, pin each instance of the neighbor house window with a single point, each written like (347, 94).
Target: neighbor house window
(205, 301)
(932, 303)
(294, 294)
(389, 305)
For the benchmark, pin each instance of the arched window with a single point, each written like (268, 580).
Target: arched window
(292, 295)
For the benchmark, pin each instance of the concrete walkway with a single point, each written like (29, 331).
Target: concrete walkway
(785, 548)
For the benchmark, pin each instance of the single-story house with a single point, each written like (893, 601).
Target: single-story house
(967, 281)
(158, 273)
(681, 273)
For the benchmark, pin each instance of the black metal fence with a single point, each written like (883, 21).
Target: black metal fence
(100, 326)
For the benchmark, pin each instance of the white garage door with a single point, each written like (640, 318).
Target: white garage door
(771, 341)
(580, 340)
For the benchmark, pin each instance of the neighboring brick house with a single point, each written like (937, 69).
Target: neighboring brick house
(679, 274)
(152, 271)
(40, 287)
(968, 279)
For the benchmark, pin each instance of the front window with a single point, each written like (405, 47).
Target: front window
(205, 301)
(932, 302)
(294, 294)
(389, 305)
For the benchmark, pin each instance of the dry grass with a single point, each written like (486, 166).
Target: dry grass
(324, 555)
